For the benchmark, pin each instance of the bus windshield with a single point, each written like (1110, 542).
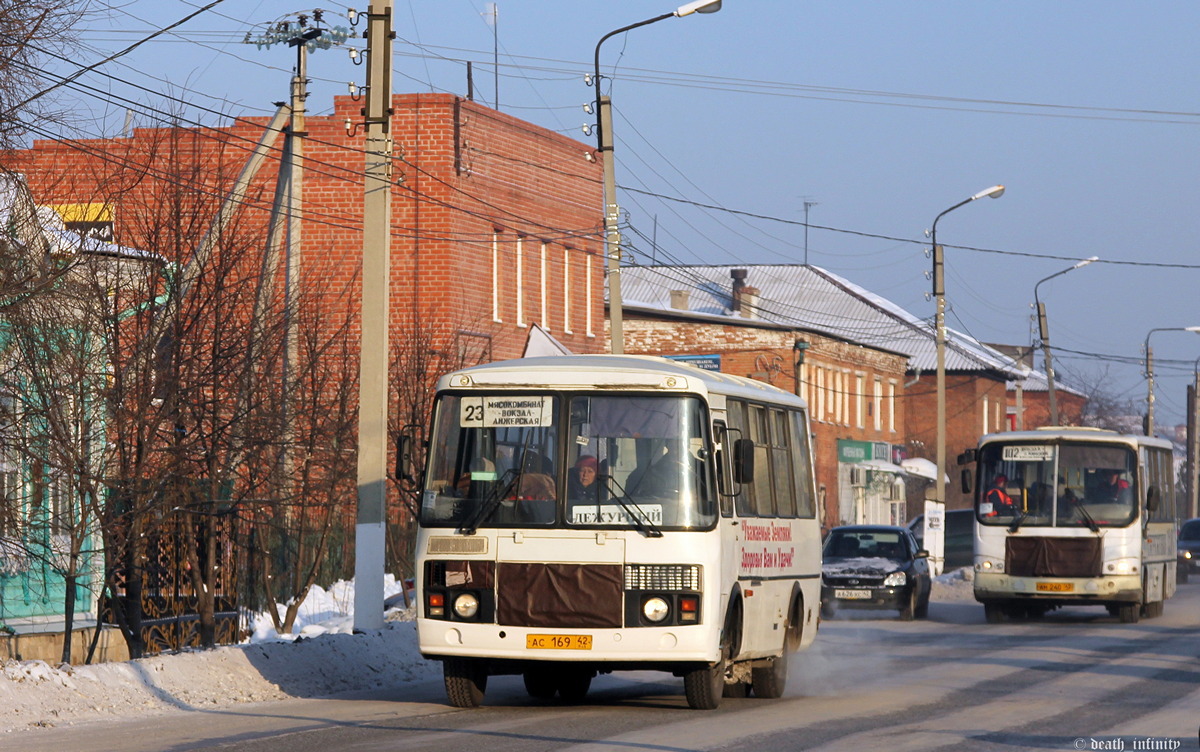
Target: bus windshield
(1062, 484)
(585, 460)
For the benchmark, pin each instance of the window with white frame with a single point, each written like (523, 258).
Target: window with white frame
(877, 402)
(520, 250)
(496, 276)
(566, 277)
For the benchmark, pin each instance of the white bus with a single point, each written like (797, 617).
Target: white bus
(1073, 516)
(696, 549)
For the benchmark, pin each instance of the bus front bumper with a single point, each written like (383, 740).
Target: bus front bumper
(995, 587)
(636, 645)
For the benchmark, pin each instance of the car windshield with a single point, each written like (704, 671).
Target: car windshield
(554, 460)
(1190, 531)
(864, 544)
(1057, 485)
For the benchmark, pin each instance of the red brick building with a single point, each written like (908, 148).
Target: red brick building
(496, 223)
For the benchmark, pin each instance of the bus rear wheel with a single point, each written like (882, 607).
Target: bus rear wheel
(573, 686)
(769, 682)
(1153, 610)
(540, 684)
(1128, 613)
(466, 681)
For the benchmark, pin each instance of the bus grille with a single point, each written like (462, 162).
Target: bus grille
(662, 577)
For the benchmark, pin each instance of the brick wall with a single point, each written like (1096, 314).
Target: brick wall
(481, 198)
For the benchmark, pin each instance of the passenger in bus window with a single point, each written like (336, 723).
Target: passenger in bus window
(581, 482)
(1114, 488)
(999, 503)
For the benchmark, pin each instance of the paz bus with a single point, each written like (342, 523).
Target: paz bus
(694, 549)
(1072, 516)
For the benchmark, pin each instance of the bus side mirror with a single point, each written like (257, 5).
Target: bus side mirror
(968, 457)
(1152, 499)
(743, 460)
(966, 478)
(404, 455)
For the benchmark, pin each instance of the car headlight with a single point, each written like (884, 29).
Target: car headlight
(466, 605)
(895, 579)
(655, 609)
(1185, 553)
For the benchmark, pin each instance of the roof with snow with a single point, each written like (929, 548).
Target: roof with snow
(807, 297)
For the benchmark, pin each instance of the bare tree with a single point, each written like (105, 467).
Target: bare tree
(1105, 407)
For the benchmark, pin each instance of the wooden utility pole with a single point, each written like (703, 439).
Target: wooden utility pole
(373, 351)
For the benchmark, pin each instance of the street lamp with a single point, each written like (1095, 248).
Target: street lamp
(1150, 372)
(939, 293)
(604, 141)
(1044, 334)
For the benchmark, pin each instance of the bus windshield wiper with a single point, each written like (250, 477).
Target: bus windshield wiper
(491, 502)
(1016, 523)
(1087, 518)
(500, 491)
(641, 520)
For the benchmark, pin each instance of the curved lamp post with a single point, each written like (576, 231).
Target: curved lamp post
(939, 293)
(1044, 334)
(1150, 371)
(604, 144)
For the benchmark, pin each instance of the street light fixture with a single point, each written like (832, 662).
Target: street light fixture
(939, 293)
(1044, 334)
(604, 142)
(1150, 371)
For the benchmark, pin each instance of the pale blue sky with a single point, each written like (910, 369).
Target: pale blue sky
(883, 113)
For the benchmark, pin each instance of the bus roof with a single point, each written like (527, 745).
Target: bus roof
(1074, 433)
(616, 371)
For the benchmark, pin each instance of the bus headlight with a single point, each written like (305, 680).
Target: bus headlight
(655, 609)
(895, 579)
(466, 605)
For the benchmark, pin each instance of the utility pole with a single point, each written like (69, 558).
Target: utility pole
(807, 205)
(373, 351)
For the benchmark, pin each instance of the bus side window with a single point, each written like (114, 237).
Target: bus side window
(744, 501)
(722, 457)
(781, 465)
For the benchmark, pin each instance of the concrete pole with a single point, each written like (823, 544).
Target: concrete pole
(374, 349)
(612, 233)
(939, 291)
(1044, 333)
(1194, 447)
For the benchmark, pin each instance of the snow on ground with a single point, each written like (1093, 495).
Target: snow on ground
(324, 657)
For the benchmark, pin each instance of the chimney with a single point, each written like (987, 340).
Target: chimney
(739, 283)
(679, 299)
(749, 302)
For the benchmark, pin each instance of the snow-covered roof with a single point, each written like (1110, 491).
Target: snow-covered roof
(41, 229)
(810, 298)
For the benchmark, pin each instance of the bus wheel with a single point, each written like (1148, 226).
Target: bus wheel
(769, 682)
(735, 689)
(540, 684)
(1128, 613)
(466, 681)
(573, 686)
(1153, 610)
(994, 613)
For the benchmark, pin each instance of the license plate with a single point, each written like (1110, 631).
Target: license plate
(852, 594)
(1055, 587)
(558, 642)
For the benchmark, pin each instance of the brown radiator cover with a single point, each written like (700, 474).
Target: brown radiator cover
(1035, 556)
(558, 595)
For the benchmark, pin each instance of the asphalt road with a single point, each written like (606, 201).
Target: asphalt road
(1076, 679)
